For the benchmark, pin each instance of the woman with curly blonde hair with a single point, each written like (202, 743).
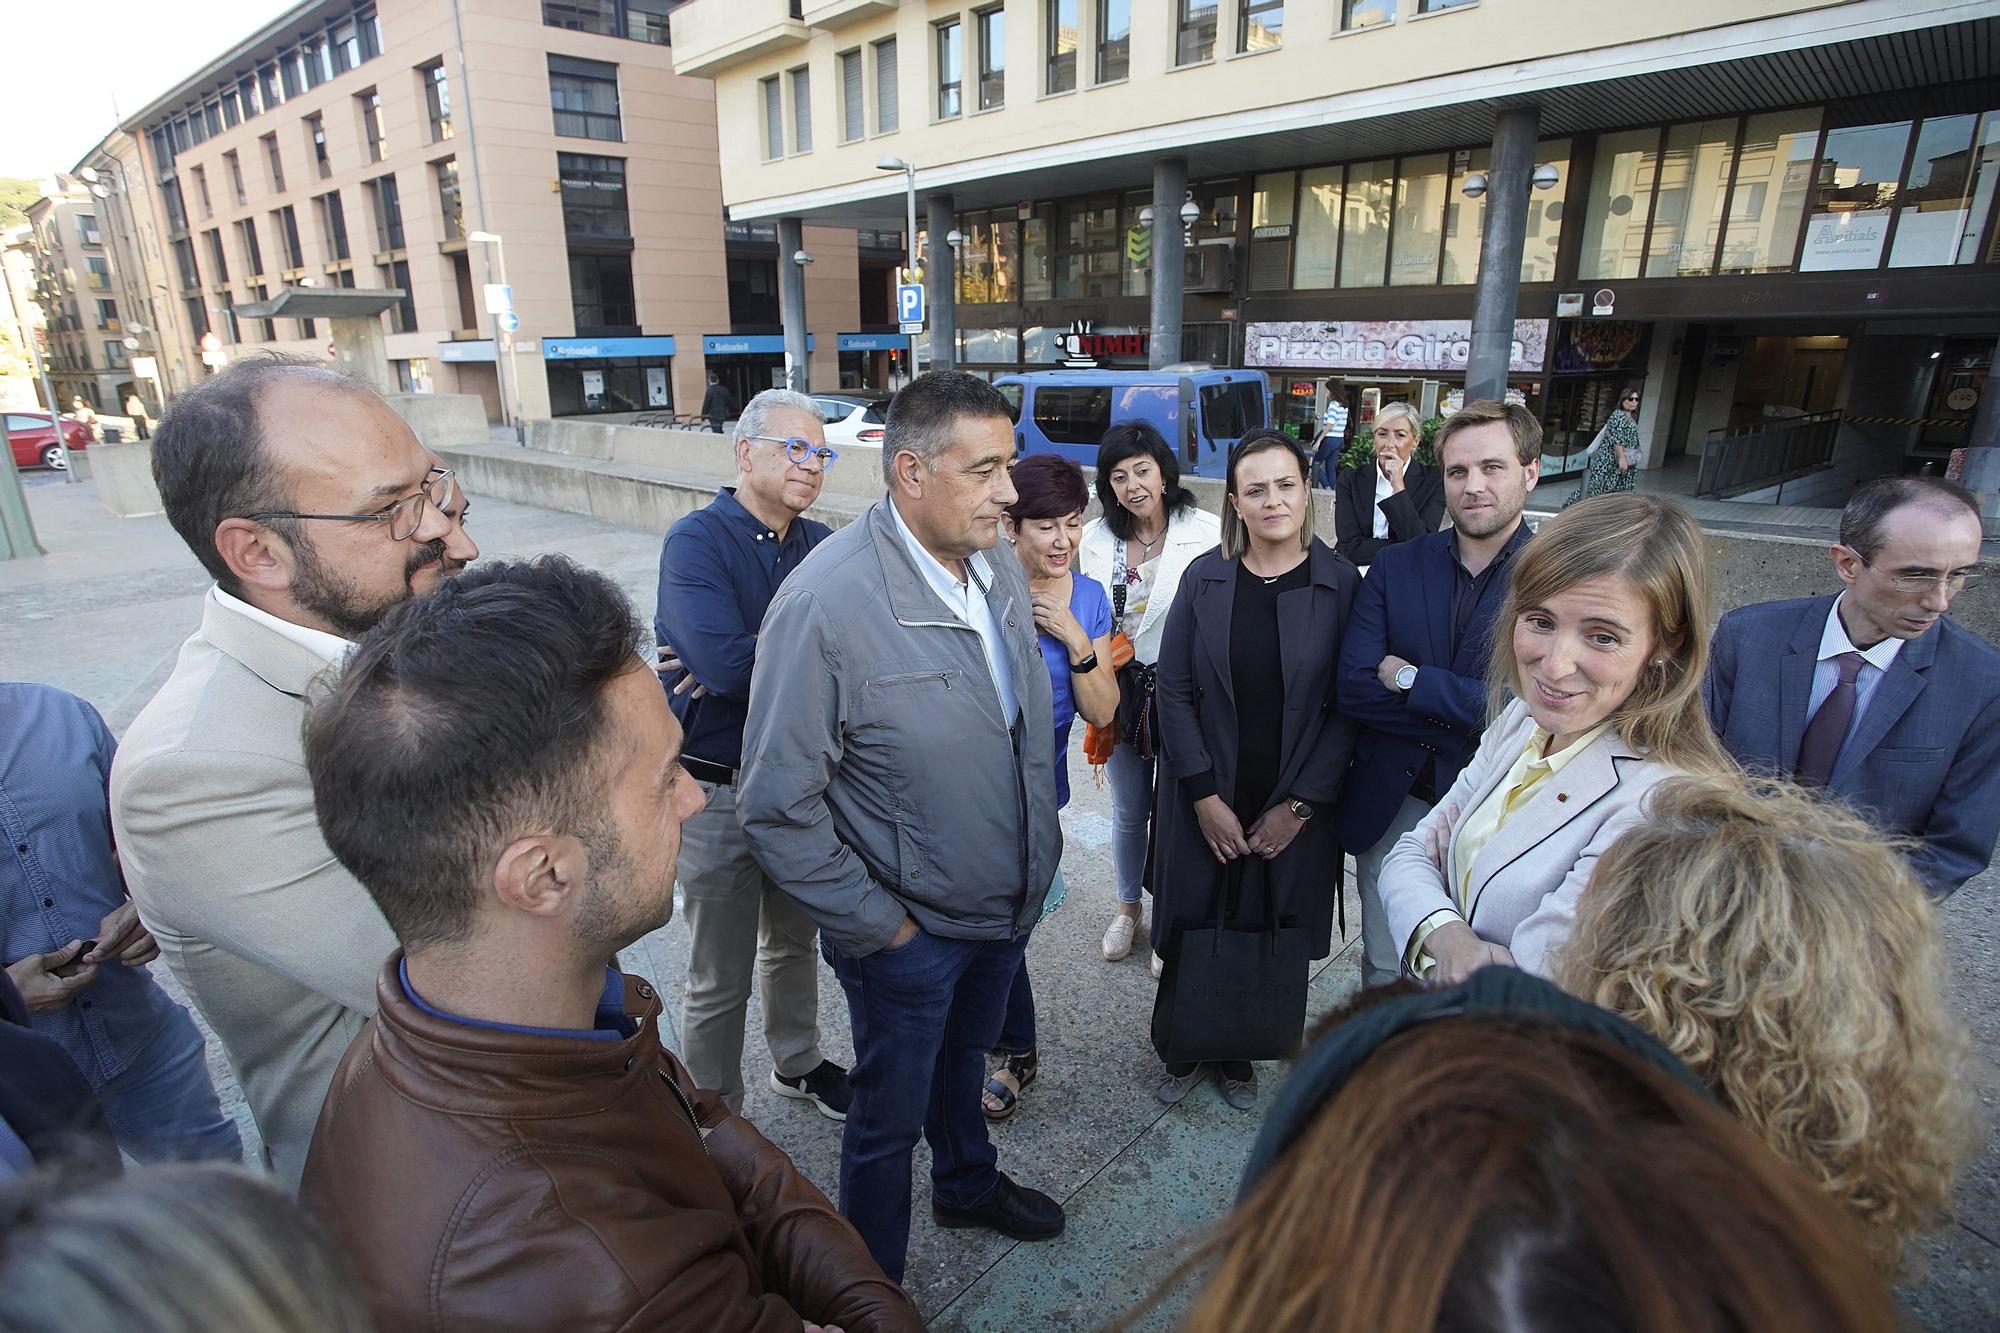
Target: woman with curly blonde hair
(1781, 948)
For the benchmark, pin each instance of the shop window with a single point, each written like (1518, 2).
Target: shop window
(1861, 168)
(986, 259)
(1089, 249)
(1073, 414)
(1272, 200)
(1038, 268)
(1464, 222)
(1260, 24)
(1059, 24)
(1317, 245)
(1137, 259)
(1773, 174)
(1114, 40)
(1365, 207)
(888, 114)
(989, 347)
(1621, 198)
(1545, 215)
(1419, 217)
(1687, 208)
(1194, 31)
(1934, 214)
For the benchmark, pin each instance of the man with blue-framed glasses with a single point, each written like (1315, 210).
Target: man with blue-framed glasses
(719, 568)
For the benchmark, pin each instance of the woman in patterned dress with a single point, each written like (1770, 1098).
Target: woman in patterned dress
(1616, 457)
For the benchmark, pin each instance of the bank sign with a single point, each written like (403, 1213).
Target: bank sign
(1391, 345)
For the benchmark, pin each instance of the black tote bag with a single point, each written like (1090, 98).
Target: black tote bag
(1229, 994)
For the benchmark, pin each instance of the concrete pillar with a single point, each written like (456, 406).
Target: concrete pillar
(17, 529)
(792, 301)
(1169, 260)
(1982, 450)
(941, 280)
(1499, 287)
(359, 350)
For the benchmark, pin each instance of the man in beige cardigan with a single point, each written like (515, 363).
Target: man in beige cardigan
(316, 510)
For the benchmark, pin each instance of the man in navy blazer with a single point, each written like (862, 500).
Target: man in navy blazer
(1413, 660)
(1873, 693)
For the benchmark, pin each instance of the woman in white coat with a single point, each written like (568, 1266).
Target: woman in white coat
(1149, 531)
(1602, 641)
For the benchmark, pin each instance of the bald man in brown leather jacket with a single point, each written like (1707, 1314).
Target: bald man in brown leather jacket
(508, 1145)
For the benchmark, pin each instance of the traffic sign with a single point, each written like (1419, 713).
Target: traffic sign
(910, 304)
(499, 298)
(912, 327)
(509, 320)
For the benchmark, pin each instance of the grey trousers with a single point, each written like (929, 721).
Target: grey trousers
(1381, 956)
(735, 917)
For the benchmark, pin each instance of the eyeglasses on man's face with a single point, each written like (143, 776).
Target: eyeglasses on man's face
(1913, 585)
(799, 450)
(440, 488)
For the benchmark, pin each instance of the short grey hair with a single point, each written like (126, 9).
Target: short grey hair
(924, 416)
(1390, 411)
(756, 415)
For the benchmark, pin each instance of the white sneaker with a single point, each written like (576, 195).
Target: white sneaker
(1118, 937)
(1159, 966)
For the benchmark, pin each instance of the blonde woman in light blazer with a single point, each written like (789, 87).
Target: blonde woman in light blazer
(1148, 533)
(1603, 642)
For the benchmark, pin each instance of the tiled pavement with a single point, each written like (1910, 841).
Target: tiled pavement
(104, 613)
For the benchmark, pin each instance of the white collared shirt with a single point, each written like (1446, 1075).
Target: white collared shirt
(968, 608)
(1833, 641)
(330, 647)
(1382, 492)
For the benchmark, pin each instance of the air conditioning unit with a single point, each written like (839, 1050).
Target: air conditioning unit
(1211, 265)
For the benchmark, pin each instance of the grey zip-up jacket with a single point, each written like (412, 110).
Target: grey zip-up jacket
(879, 776)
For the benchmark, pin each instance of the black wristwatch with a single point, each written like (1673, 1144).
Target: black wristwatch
(1086, 665)
(1299, 808)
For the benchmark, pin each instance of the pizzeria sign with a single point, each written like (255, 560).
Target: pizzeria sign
(1387, 344)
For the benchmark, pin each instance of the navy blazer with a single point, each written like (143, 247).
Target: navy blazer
(1414, 512)
(1404, 608)
(1924, 760)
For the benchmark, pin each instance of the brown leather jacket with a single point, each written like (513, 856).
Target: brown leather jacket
(483, 1179)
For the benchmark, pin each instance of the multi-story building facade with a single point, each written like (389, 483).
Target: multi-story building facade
(1758, 213)
(163, 360)
(378, 145)
(83, 328)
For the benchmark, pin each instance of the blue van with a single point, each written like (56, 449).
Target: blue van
(1200, 412)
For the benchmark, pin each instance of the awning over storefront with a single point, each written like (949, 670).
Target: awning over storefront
(604, 349)
(746, 344)
(870, 342)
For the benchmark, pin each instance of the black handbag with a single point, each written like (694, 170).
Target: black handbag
(1229, 994)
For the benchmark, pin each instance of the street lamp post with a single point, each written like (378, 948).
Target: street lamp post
(513, 386)
(890, 162)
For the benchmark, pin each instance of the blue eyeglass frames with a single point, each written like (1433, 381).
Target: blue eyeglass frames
(799, 450)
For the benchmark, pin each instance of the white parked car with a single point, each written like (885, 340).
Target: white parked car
(853, 417)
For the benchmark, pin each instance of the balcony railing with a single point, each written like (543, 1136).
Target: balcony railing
(1736, 460)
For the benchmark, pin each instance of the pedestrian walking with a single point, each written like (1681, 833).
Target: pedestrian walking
(1614, 454)
(717, 404)
(82, 412)
(1397, 499)
(1073, 629)
(142, 421)
(1253, 749)
(898, 784)
(719, 568)
(1149, 531)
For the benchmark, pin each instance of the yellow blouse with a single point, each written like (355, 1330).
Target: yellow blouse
(1531, 769)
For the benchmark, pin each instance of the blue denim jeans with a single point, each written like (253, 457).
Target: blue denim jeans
(1017, 1032)
(1131, 818)
(162, 1106)
(924, 1016)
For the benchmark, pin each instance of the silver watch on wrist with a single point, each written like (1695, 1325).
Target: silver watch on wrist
(1299, 808)
(1406, 678)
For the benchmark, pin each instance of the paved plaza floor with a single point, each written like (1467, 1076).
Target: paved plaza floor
(104, 613)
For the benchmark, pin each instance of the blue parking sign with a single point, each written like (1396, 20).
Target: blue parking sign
(910, 303)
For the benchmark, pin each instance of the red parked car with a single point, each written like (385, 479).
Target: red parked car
(34, 440)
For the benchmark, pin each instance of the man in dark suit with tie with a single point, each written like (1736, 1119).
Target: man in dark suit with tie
(1413, 660)
(1873, 693)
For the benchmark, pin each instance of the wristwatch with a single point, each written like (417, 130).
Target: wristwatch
(1406, 678)
(1087, 664)
(1299, 808)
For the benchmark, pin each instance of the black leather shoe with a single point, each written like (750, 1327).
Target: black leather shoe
(1012, 1210)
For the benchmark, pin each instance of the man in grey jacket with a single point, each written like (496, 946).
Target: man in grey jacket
(896, 782)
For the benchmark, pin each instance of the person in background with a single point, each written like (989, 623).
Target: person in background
(1614, 454)
(168, 1249)
(719, 568)
(1783, 950)
(1413, 659)
(1331, 441)
(1253, 750)
(1874, 694)
(316, 510)
(1602, 640)
(81, 411)
(1073, 628)
(72, 940)
(898, 757)
(1497, 1155)
(509, 1145)
(716, 403)
(142, 419)
(1396, 500)
(1148, 533)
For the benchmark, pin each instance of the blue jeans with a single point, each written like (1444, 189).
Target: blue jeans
(163, 1107)
(1017, 1032)
(924, 1016)
(1131, 817)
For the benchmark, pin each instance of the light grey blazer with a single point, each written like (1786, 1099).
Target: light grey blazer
(274, 942)
(1528, 878)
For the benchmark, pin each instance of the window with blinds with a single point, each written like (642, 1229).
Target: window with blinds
(802, 112)
(583, 94)
(887, 114)
(774, 119)
(853, 110)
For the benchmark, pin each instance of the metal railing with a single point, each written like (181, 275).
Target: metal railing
(1736, 460)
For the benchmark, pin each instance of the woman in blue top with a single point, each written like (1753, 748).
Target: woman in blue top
(1073, 616)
